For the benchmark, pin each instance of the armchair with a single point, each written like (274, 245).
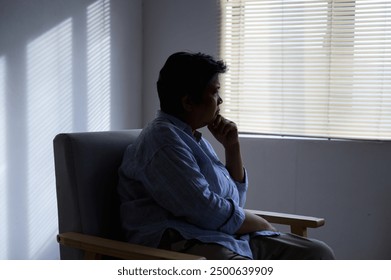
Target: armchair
(86, 166)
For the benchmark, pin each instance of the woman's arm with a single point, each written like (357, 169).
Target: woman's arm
(226, 132)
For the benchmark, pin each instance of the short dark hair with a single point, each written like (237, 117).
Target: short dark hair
(186, 74)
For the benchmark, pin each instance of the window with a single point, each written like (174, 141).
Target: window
(308, 68)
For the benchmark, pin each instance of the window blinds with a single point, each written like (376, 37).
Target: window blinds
(309, 68)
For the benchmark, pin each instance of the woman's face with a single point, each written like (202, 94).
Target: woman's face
(206, 111)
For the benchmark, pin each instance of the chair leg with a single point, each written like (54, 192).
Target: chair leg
(92, 256)
(299, 230)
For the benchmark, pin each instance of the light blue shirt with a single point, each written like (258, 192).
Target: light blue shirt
(170, 179)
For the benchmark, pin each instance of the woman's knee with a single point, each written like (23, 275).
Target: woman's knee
(321, 251)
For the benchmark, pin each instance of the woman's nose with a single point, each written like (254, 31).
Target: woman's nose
(219, 101)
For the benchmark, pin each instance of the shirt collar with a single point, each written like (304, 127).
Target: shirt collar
(180, 124)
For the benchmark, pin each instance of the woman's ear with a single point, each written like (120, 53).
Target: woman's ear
(187, 103)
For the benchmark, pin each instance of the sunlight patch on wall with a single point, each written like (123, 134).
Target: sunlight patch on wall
(49, 111)
(98, 65)
(3, 165)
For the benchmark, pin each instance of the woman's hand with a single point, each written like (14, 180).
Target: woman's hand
(254, 223)
(225, 131)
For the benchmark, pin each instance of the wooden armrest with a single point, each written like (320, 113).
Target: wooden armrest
(297, 223)
(97, 246)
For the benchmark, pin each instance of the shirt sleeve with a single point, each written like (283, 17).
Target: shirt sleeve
(174, 180)
(242, 189)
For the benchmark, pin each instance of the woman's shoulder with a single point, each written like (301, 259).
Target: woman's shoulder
(162, 132)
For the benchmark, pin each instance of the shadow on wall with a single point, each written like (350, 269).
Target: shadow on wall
(54, 77)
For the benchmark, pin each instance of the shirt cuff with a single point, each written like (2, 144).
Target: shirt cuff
(242, 189)
(235, 221)
(242, 186)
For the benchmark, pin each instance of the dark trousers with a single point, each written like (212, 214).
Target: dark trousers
(289, 246)
(283, 247)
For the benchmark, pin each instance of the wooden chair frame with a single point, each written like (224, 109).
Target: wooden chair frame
(96, 247)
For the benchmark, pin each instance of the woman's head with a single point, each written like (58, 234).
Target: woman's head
(186, 74)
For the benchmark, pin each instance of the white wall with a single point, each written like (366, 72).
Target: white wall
(348, 183)
(65, 65)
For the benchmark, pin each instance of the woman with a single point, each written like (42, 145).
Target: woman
(175, 192)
